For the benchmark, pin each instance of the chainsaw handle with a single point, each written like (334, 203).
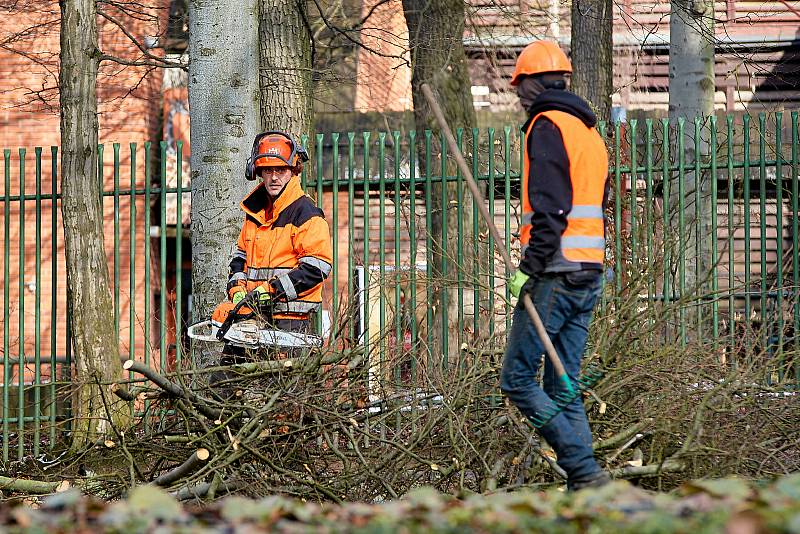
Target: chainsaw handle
(251, 301)
(233, 315)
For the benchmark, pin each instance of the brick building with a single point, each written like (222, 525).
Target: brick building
(757, 52)
(129, 99)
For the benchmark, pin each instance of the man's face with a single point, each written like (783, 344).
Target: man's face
(528, 89)
(275, 178)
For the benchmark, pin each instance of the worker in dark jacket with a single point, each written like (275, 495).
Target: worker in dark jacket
(564, 189)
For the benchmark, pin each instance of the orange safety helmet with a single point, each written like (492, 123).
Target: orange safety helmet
(540, 57)
(274, 149)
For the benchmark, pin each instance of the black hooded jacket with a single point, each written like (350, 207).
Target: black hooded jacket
(549, 183)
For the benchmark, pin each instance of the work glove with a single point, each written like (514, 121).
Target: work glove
(520, 283)
(260, 295)
(238, 296)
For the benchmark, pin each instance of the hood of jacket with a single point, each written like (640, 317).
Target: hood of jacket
(558, 100)
(259, 205)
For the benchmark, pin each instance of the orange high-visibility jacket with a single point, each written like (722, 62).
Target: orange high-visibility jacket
(583, 241)
(286, 245)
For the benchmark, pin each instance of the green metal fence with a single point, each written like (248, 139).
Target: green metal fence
(715, 263)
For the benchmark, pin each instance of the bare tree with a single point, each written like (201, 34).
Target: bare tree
(691, 59)
(90, 305)
(691, 96)
(128, 48)
(224, 99)
(285, 71)
(592, 53)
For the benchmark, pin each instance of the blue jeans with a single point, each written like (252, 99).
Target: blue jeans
(566, 311)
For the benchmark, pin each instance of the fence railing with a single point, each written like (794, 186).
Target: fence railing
(708, 243)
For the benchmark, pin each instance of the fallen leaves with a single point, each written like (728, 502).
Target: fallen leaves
(724, 505)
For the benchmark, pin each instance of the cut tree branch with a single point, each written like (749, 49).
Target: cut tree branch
(191, 464)
(172, 388)
(34, 487)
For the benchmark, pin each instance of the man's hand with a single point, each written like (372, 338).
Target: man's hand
(518, 282)
(239, 296)
(262, 294)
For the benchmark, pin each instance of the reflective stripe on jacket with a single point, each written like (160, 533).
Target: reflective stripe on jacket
(583, 241)
(286, 244)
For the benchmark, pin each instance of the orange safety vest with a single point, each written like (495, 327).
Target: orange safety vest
(275, 242)
(583, 240)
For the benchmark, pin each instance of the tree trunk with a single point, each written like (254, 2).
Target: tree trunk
(435, 34)
(285, 75)
(691, 59)
(223, 97)
(89, 299)
(691, 95)
(592, 53)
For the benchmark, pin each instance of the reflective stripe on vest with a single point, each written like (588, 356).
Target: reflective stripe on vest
(235, 277)
(296, 306)
(583, 240)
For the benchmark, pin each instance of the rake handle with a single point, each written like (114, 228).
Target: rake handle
(498, 240)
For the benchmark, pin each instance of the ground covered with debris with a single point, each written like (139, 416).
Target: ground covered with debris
(722, 505)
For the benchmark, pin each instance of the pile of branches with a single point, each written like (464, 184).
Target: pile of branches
(342, 425)
(314, 426)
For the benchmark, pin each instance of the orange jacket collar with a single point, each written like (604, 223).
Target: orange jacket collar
(262, 208)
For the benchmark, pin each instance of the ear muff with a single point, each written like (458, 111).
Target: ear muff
(301, 151)
(249, 167)
(249, 171)
(297, 149)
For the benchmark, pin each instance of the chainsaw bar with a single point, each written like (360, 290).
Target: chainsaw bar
(248, 334)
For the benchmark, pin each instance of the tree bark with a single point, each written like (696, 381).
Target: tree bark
(691, 59)
(592, 53)
(89, 299)
(435, 34)
(691, 95)
(223, 96)
(285, 73)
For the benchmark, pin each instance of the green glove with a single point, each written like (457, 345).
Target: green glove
(516, 282)
(239, 296)
(263, 293)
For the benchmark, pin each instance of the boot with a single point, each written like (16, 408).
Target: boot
(595, 480)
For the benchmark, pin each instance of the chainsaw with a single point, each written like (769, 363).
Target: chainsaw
(245, 327)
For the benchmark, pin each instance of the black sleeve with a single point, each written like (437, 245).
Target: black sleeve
(549, 192)
(299, 280)
(236, 275)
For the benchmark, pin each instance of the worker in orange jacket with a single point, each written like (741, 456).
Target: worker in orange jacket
(283, 253)
(564, 194)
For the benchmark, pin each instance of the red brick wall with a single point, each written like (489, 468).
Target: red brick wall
(383, 80)
(129, 112)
